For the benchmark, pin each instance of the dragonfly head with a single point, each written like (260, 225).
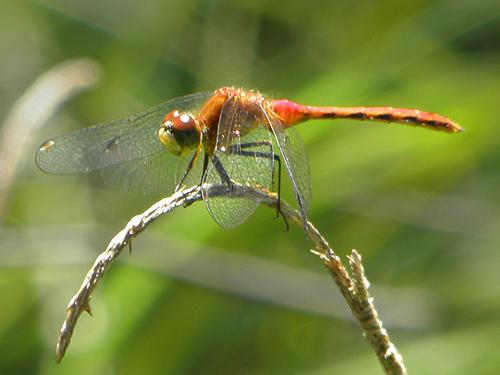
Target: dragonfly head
(179, 132)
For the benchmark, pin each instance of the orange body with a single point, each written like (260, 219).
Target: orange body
(204, 125)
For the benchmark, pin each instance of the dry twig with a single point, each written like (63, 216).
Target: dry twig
(354, 288)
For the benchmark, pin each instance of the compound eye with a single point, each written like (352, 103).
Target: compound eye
(178, 132)
(167, 137)
(180, 121)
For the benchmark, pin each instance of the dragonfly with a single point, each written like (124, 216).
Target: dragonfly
(227, 136)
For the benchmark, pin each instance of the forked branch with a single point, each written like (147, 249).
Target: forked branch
(354, 286)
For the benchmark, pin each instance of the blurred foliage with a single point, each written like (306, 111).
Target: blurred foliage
(422, 207)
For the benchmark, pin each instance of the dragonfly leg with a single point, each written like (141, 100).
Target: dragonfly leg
(258, 154)
(238, 150)
(188, 169)
(204, 170)
(204, 175)
(278, 207)
(222, 172)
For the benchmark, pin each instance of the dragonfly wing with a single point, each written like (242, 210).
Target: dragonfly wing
(244, 150)
(123, 151)
(294, 157)
(156, 173)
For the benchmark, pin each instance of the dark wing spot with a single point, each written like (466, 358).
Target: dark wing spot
(111, 146)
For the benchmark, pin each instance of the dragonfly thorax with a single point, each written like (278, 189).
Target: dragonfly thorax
(179, 132)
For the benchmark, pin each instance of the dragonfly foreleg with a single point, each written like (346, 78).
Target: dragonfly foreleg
(188, 169)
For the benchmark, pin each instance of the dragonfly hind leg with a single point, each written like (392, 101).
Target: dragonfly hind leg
(240, 150)
(222, 172)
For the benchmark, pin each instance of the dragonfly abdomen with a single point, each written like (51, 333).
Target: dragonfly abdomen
(292, 113)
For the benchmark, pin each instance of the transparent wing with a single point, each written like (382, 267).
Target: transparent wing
(294, 158)
(244, 150)
(127, 153)
(156, 173)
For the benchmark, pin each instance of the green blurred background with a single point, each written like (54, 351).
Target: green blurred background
(421, 207)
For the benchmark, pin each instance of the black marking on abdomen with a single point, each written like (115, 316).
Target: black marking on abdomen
(411, 119)
(358, 115)
(432, 123)
(385, 117)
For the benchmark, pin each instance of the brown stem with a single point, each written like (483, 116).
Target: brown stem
(354, 288)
